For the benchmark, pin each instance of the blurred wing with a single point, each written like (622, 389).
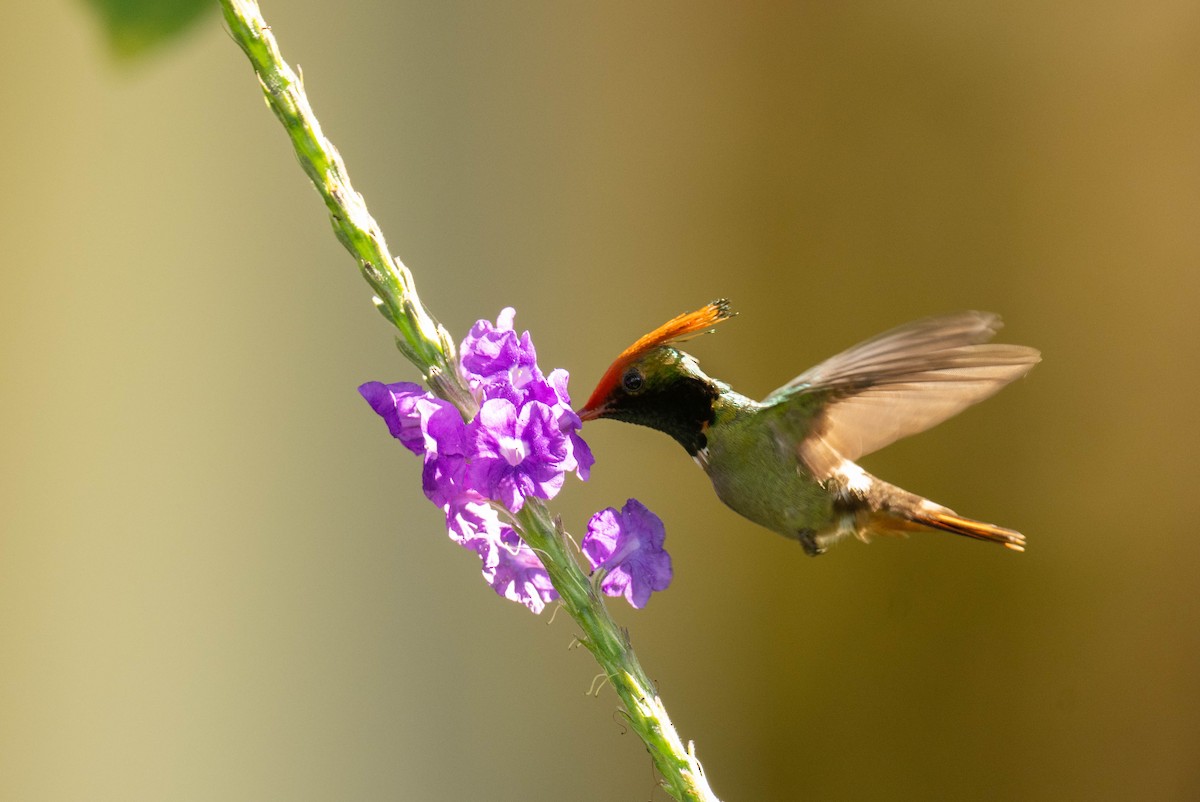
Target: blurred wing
(900, 383)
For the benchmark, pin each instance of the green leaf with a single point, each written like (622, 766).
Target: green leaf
(135, 27)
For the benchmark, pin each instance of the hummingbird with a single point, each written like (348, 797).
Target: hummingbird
(788, 462)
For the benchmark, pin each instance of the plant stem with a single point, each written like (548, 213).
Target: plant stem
(428, 346)
(422, 339)
(609, 644)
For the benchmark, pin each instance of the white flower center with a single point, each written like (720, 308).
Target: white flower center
(512, 449)
(520, 375)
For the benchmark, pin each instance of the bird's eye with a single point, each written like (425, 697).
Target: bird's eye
(632, 380)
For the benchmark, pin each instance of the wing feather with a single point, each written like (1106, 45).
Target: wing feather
(899, 383)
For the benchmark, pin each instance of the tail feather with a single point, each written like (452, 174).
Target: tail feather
(871, 506)
(947, 521)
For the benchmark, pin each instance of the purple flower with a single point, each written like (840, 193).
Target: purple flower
(472, 520)
(499, 365)
(496, 362)
(509, 565)
(429, 427)
(397, 405)
(518, 453)
(448, 449)
(569, 423)
(518, 574)
(628, 545)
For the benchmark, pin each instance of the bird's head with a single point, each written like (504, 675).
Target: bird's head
(653, 384)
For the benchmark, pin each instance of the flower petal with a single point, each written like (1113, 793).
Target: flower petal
(397, 405)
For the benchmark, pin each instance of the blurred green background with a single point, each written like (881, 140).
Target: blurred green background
(219, 580)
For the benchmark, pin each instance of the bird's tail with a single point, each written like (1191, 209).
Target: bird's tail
(940, 518)
(897, 511)
(874, 507)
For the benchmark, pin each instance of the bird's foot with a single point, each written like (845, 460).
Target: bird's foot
(808, 539)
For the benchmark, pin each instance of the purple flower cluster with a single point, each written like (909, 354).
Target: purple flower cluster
(521, 444)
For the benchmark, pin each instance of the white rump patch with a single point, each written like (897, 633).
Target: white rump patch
(853, 477)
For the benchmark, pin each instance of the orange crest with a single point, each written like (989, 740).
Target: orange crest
(675, 330)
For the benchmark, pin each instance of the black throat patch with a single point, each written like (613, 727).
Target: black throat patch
(682, 409)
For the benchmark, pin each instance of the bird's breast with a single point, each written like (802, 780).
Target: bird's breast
(755, 470)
